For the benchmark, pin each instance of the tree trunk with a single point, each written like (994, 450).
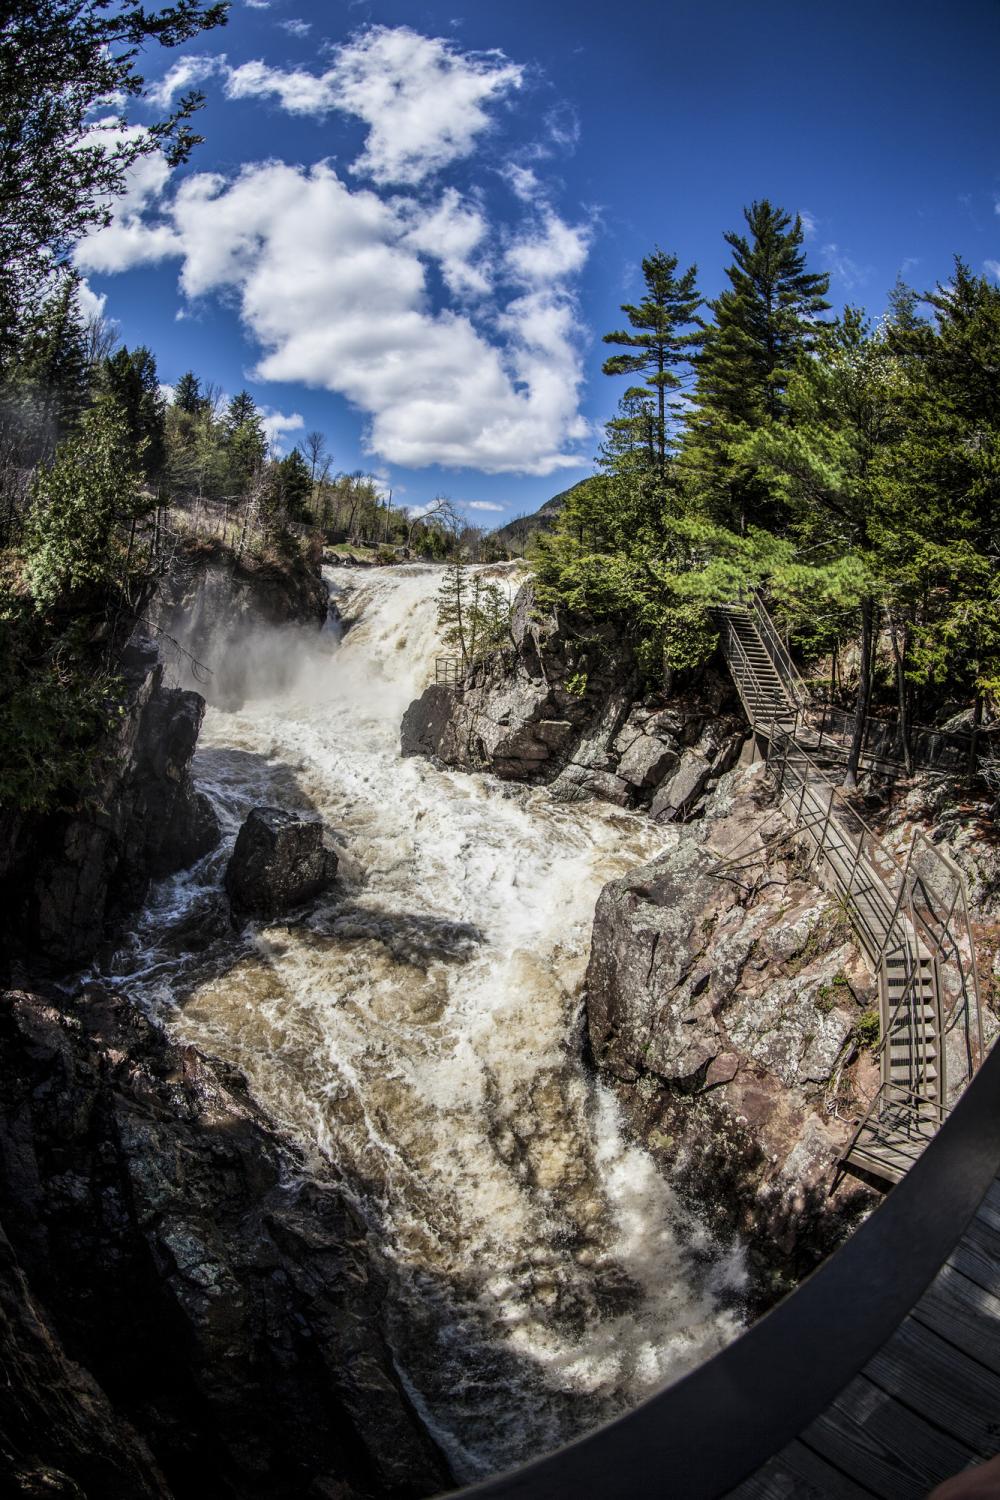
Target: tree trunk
(977, 719)
(864, 697)
(899, 661)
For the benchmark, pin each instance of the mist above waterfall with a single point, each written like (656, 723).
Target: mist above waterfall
(421, 1029)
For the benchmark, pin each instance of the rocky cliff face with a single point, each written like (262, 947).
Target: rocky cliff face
(724, 1008)
(184, 1312)
(230, 614)
(565, 705)
(66, 876)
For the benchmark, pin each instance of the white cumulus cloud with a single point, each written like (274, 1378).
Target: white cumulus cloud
(90, 303)
(296, 28)
(450, 231)
(992, 268)
(130, 239)
(423, 100)
(185, 73)
(457, 337)
(484, 505)
(332, 285)
(276, 424)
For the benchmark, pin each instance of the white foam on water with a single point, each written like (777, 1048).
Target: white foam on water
(422, 1029)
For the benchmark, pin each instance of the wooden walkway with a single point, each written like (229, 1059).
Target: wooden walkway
(925, 1407)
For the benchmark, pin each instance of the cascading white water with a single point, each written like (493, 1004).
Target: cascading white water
(421, 1028)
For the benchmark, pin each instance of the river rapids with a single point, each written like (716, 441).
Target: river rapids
(421, 1028)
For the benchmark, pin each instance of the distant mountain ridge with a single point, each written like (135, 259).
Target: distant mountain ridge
(518, 531)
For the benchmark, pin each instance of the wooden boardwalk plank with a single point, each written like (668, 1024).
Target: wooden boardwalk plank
(964, 1312)
(932, 1377)
(817, 1477)
(977, 1255)
(883, 1445)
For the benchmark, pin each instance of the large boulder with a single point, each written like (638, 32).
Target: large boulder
(279, 862)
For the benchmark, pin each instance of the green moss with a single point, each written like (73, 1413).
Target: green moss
(868, 1029)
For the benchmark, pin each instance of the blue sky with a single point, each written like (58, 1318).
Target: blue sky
(409, 225)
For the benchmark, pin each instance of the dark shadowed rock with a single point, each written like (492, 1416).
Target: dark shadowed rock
(223, 1312)
(425, 721)
(68, 875)
(279, 862)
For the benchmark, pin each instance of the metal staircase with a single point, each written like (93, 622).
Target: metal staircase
(896, 912)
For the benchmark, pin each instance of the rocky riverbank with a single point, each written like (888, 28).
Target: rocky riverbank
(564, 704)
(184, 1312)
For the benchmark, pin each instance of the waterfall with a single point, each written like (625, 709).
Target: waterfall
(421, 1029)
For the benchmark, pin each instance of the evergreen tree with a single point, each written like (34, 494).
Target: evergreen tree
(295, 484)
(48, 387)
(940, 495)
(824, 463)
(129, 380)
(246, 444)
(657, 335)
(83, 504)
(187, 394)
(763, 322)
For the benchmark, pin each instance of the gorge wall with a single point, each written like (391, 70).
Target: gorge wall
(185, 1313)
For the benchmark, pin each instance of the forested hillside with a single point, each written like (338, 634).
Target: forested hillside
(849, 466)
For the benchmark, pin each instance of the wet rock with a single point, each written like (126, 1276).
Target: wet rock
(224, 1313)
(279, 862)
(723, 1012)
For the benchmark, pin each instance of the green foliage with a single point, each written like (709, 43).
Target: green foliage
(47, 380)
(82, 506)
(473, 611)
(295, 484)
(57, 698)
(656, 333)
(128, 380)
(763, 323)
(59, 61)
(868, 1029)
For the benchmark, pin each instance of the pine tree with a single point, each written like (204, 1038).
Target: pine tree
(129, 380)
(658, 322)
(83, 504)
(940, 496)
(824, 464)
(187, 394)
(295, 484)
(48, 387)
(245, 441)
(763, 322)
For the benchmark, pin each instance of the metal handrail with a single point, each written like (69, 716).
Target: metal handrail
(777, 650)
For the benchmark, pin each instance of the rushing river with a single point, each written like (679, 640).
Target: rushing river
(422, 1029)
